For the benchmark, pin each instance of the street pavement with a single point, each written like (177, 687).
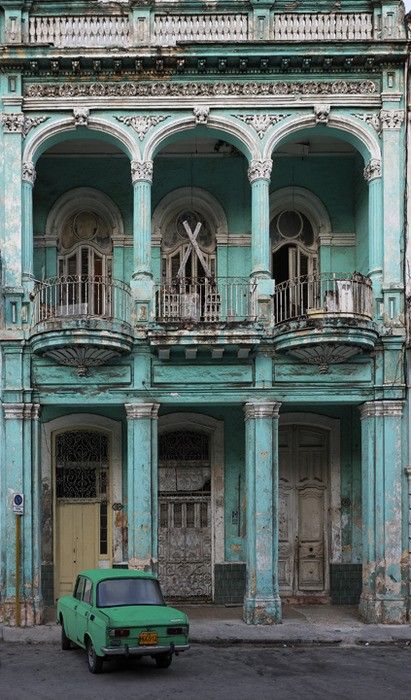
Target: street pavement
(44, 672)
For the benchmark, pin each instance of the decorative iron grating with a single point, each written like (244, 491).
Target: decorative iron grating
(82, 465)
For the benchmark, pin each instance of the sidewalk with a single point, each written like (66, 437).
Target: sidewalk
(219, 625)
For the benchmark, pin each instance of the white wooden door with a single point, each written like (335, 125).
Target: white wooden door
(303, 455)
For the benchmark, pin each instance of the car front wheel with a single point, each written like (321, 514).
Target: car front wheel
(65, 642)
(95, 663)
(163, 660)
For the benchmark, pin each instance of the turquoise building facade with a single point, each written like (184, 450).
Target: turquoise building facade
(203, 310)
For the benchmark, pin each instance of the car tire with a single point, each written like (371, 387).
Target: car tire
(65, 642)
(163, 660)
(95, 663)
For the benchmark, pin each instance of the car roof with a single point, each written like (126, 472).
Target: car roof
(97, 575)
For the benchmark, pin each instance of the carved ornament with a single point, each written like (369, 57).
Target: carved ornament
(392, 118)
(28, 172)
(260, 170)
(18, 123)
(261, 122)
(142, 171)
(372, 119)
(141, 124)
(373, 170)
(201, 114)
(322, 113)
(81, 116)
(198, 89)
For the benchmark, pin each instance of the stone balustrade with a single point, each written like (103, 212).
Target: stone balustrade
(170, 29)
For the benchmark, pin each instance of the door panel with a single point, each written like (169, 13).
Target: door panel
(303, 455)
(77, 542)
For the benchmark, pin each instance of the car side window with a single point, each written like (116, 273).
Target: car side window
(87, 591)
(78, 591)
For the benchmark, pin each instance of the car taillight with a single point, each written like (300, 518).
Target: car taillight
(119, 632)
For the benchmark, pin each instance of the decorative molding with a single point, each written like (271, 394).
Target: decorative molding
(380, 409)
(268, 409)
(307, 203)
(200, 89)
(373, 170)
(28, 173)
(201, 114)
(392, 118)
(342, 240)
(81, 116)
(261, 122)
(81, 357)
(142, 171)
(322, 113)
(260, 170)
(31, 122)
(20, 411)
(141, 411)
(141, 124)
(81, 199)
(372, 119)
(324, 355)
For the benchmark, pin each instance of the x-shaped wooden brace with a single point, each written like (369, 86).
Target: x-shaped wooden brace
(193, 246)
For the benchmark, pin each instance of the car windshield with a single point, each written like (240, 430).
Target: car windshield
(128, 591)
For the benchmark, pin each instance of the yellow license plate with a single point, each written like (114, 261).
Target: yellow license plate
(146, 639)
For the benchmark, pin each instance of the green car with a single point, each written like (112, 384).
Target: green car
(119, 612)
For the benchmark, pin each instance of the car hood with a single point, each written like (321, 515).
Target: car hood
(144, 615)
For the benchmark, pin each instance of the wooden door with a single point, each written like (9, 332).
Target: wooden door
(303, 455)
(77, 542)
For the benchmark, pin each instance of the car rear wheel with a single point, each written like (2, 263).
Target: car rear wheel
(95, 663)
(163, 660)
(65, 642)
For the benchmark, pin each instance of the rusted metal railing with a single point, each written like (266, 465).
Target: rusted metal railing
(81, 296)
(206, 300)
(328, 293)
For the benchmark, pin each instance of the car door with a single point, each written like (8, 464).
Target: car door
(70, 611)
(83, 611)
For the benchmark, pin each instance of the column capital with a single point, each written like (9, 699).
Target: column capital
(12, 122)
(21, 411)
(392, 118)
(28, 173)
(380, 409)
(260, 170)
(142, 171)
(268, 409)
(373, 170)
(141, 411)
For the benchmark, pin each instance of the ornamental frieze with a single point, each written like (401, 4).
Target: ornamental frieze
(180, 89)
(261, 122)
(141, 124)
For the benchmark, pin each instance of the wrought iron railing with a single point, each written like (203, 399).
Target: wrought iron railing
(81, 296)
(206, 300)
(328, 293)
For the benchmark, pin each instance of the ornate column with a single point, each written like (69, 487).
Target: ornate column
(408, 475)
(262, 603)
(20, 458)
(29, 178)
(373, 175)
(13, 124)
(142, 485)
(142, 279)
(393, 147)
(383, 594)
(259, 174)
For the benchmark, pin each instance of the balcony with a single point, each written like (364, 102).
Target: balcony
(222, 310)
(81, 320)
(324, 318)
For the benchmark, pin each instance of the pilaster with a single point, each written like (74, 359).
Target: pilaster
(20, 457)
(383, 596)
(262, 603)
(142, 485)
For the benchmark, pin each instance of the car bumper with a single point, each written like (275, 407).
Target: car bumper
(144, 651)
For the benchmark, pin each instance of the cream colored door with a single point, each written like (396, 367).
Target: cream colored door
(77, 542)
(302, 510)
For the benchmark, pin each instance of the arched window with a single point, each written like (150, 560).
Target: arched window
(188, 258)
(294, 245)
